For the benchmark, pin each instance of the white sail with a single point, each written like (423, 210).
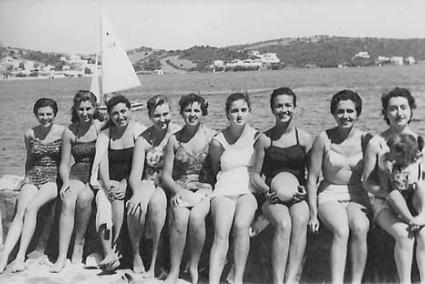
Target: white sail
(117, 71)
(94, 85)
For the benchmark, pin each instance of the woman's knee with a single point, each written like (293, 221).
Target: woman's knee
(180, 220)
(300, 220)
(158, 201)
(197, 220)
(32, 208)
(68, 204)
(85, 198)
(360, 228)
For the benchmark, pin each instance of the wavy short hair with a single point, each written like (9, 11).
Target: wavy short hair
(282, 91)
(155, 102)
(45, 102)
(235, 97)
(83, 96)
(346, 95)
(187, 100)
(397, 92)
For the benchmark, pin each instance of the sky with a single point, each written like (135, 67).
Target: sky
(72, 26)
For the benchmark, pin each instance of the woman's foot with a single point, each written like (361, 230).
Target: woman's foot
(150, 274)
(194, 275)
(110, 263)
(138, 266)
(18, 266)
(172, 278)
(58, 266)
(77, 254)
(3, 264)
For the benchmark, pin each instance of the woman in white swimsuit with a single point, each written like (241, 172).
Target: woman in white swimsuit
(340, 200)
(233, 204)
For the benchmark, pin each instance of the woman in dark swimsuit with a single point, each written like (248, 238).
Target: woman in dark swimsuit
(78, 141)
(185, 177)
(43, 155)
(281, 155)
(114, 155)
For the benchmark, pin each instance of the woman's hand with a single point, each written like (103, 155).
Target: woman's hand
(300, 195)
(64, 189)
(314, 224)
(117, 190)
(185, 196)
(272, 197)
(134, 205)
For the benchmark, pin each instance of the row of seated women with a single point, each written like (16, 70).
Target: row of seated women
(133, 172)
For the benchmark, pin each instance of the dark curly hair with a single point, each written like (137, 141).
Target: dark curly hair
(83, 96)
(397, 92)
(187, 100)
(235, 97)
(282, 91)
(45, 102)
(346, 95)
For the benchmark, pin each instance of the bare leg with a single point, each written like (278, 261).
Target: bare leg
(222, 210)
(359, 226)
(157, 214)
(278, 216)
(66, 223)
(419, 203)
(46, 193)
(399, 205)
(136, 224)
(299, 215)
(403, 249)
(334, 215)
(84, 210)
(244, 215)
(197, 236)
(27, 194)
(177, 241)
(420, 254)
(117, 217)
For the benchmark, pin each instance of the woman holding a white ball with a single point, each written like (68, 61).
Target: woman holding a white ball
(340, 201)
(281, 156)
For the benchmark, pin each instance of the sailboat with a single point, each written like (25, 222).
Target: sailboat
(117, 71)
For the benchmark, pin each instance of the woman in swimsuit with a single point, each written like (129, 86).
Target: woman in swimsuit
(113, 159)
(283, 149)
(233, 204)
(42, 144)
(187, 178)
(145, 182)
(341, 202)
(397, 109)
(78, 141)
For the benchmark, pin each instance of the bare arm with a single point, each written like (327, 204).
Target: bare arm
(65, 156)
(315, 167)
(215, 152)
(167, 171)
(370, 182)
(28, 160)
(260, 148)
(137, 165)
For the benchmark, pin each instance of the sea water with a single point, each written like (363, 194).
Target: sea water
(314, 89)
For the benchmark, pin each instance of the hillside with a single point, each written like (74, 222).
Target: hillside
(319, 51)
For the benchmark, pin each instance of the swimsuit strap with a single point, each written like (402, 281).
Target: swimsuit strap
(296, 136)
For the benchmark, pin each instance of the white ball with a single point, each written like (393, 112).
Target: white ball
(285, 185)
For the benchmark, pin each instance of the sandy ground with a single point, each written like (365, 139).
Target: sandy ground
(38, 272)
